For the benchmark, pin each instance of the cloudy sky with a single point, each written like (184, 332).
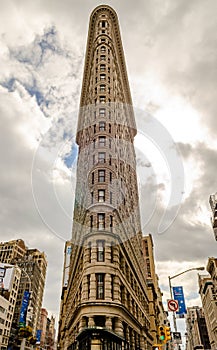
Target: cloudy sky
(170, 50)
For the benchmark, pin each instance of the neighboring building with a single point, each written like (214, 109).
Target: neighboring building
(212, 269)
(208, 295)
(50, 342)
(12, 250)
(105, 299)
(156, 310)
(196, 328)
(4, 308)
(9, 286)
(47, 326)
(32, 264)
(213, 205)
(43, 327)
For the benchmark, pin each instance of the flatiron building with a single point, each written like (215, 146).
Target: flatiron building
(104, 297)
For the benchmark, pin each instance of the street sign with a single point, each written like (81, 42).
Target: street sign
(177, 337)
(172, 305)
(178, 295)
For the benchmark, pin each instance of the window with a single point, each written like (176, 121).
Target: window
(101, 157)
(102, 67)
(110, 197)
(110, 178)
(101, 221)
(101, 175)
(102, 57)
(91, 197)
(110, 143)
(102, 76)
(92, 178)
(110, 128)
(101, 126)
(94, 128)
(102, 88)
(112, 252)
(101, 196)
(102, 100)
(100, 251)
(102, 141)
(91, 222)
(103, 49)
(102, 40)
(99, 286)
(94, 143)
(111, 223)
(102, 110)
(110, 159)
(89, 252)
(103, 24)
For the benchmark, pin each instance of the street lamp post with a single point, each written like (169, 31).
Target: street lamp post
(200, 268)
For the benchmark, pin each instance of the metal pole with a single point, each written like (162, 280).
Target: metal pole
(171, 294)
(174, 314)
(23, 343)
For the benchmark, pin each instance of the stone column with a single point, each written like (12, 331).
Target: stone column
(107, 254)
(82, 324)
(116, 255)
(108, 286)
(94, 254)
(85, 288)
(91, 322)
(92, 286)
(127, 333)
(108, 323)
(119, 327)
(117, 296)
(86, 255)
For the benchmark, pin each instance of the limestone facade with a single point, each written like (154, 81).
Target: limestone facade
(105, 300)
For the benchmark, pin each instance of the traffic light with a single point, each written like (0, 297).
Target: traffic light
(161, 333)
(167, 333)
